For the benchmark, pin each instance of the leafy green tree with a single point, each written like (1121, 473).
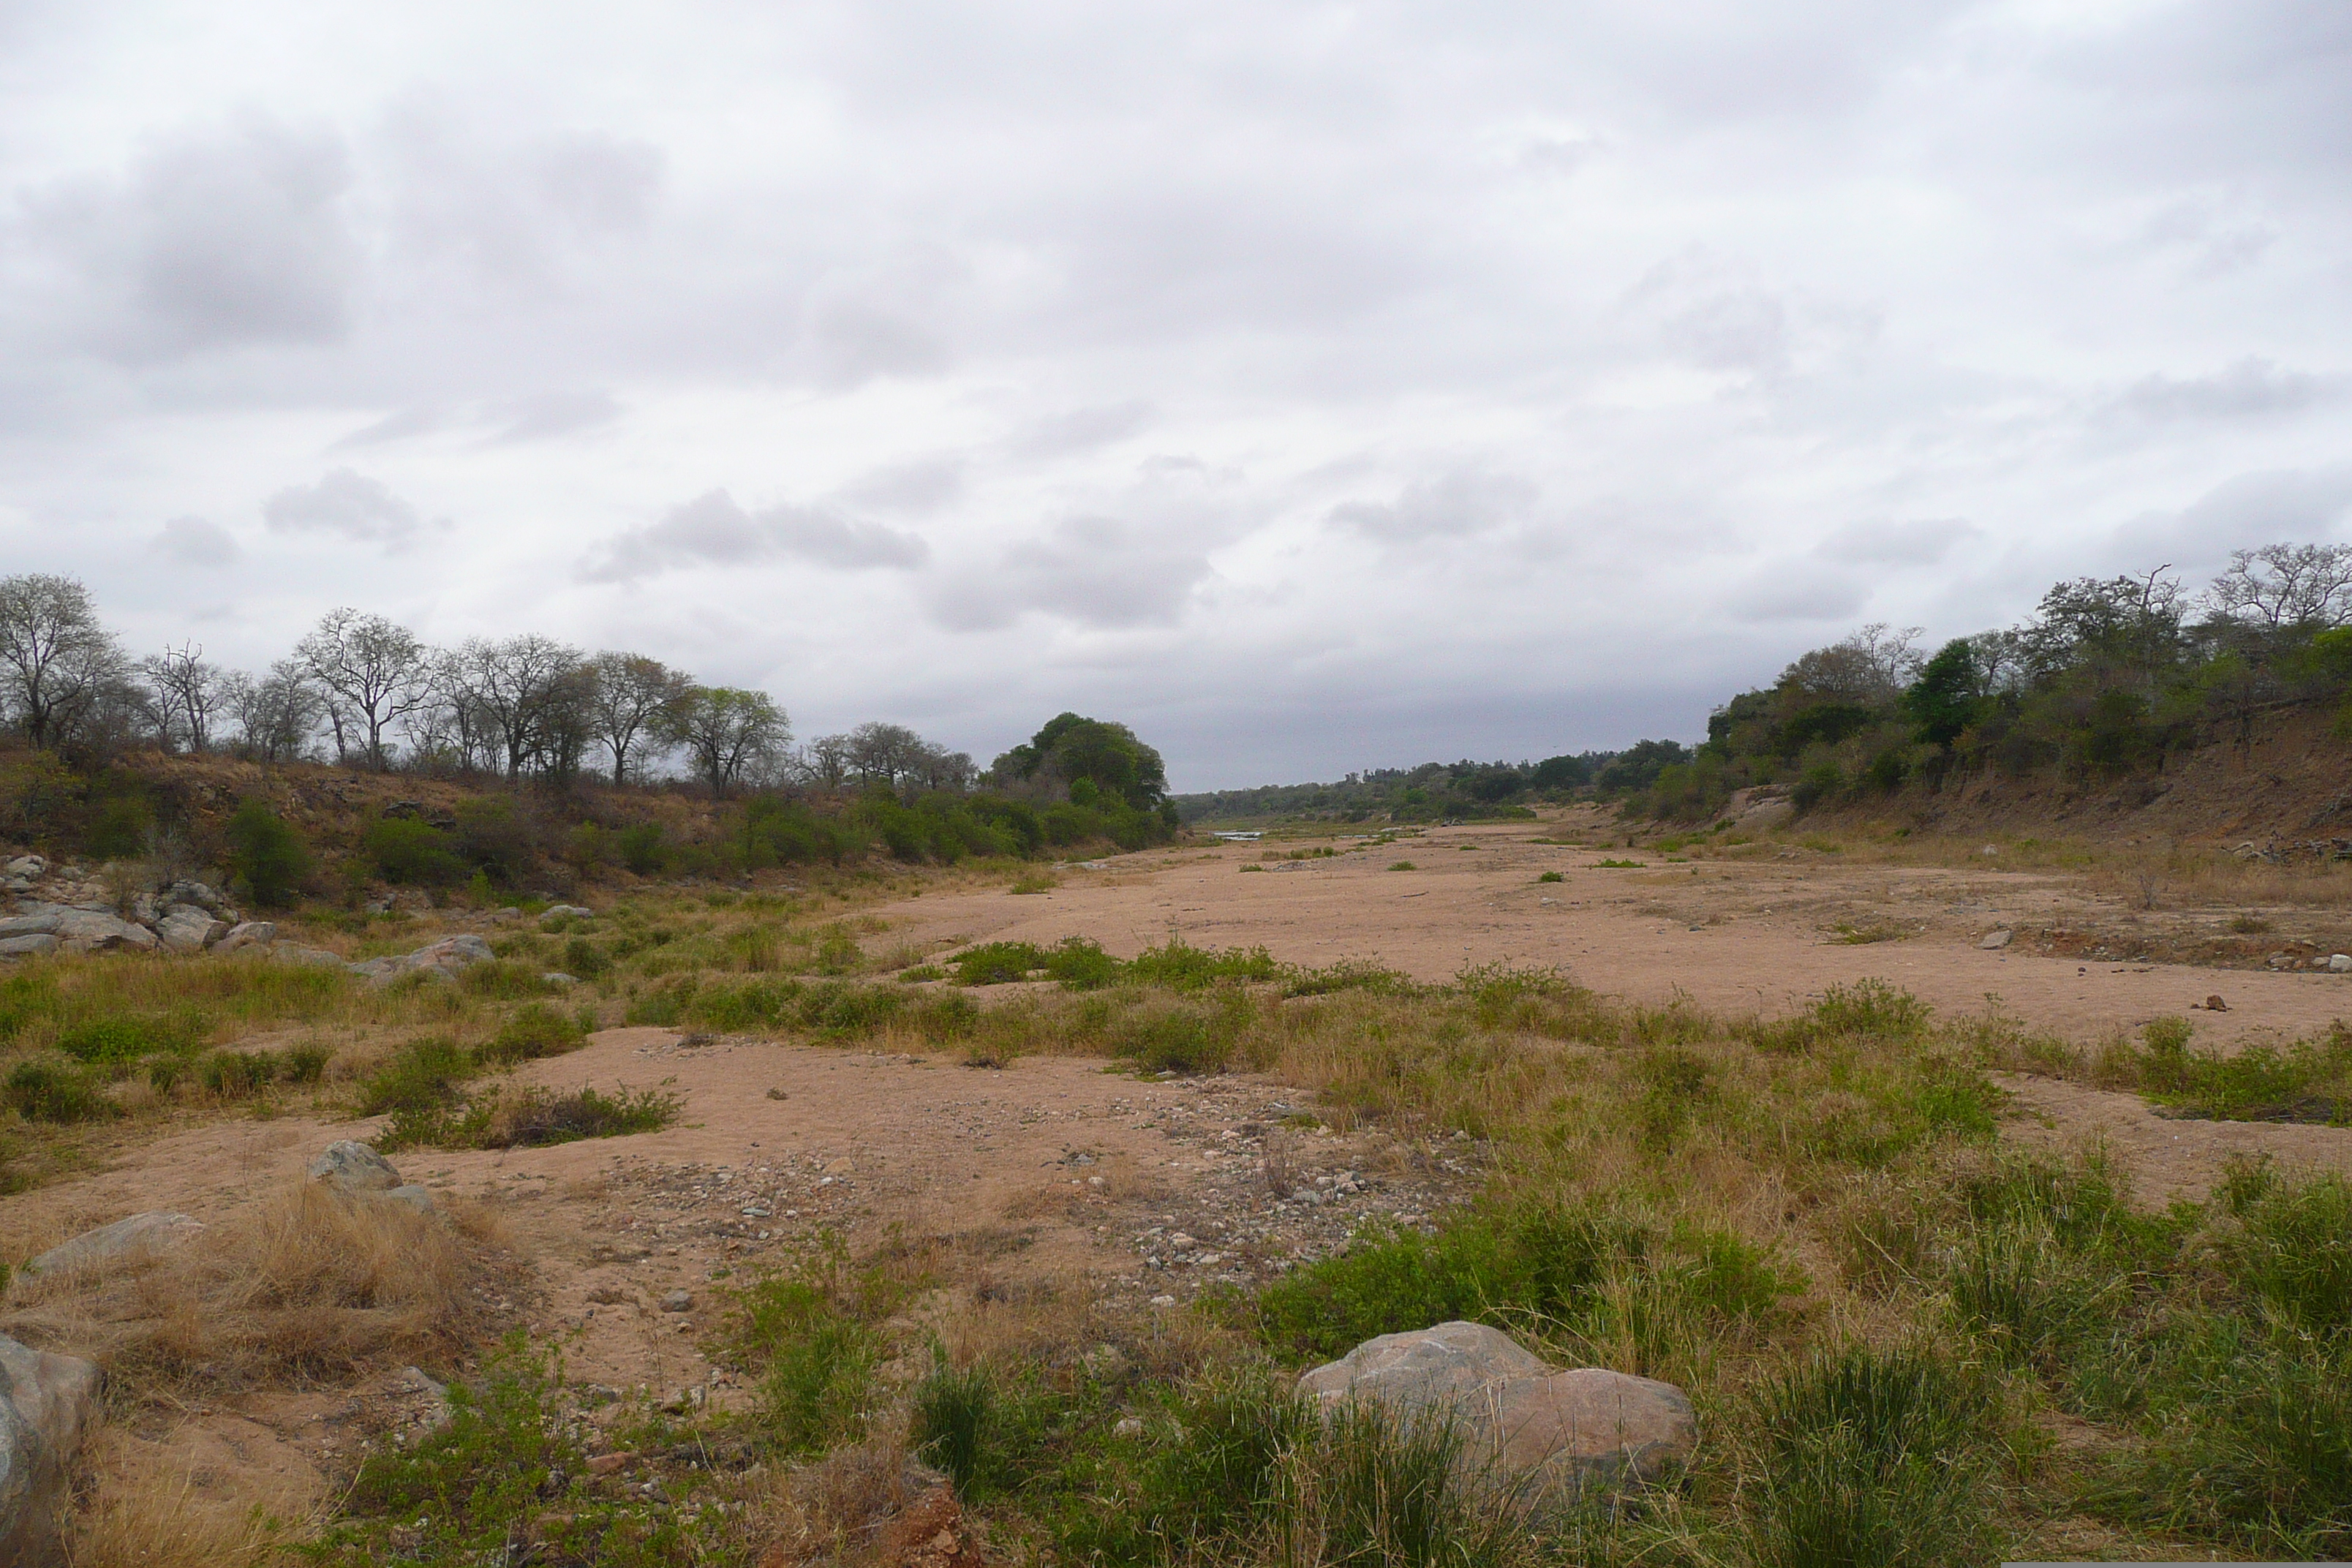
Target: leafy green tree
(1943, 700)
(266, 854)
(1094, 751)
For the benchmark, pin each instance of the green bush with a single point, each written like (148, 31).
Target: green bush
(422, 1075)
(585, 959)
(127, 1039)
(41, 1090)
(643, 850)
(997, 962)
(533, 1031)
(2293, 1248)
(404, 850)
(816, 1388)
(265, 855)
(237, 1075)
(119, 829)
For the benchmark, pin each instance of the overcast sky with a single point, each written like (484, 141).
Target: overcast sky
(1313, 387)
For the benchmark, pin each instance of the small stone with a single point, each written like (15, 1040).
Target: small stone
(1105, 1363)
(1994, 941)
(349, 1166)
(2215, 1005)
(2339, 963)
(1127, 1427)
(566, 912)
(1163, 1300)
(678, 1302)
(251, 933)
(560, 980)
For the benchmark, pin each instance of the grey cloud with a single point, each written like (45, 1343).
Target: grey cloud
(2252, 388)
(856, 343)
(713, 529)
(404, 425)
(1454, 505)
(213, 239)
(918, 488)
(1082, 429)
(196, 542)
(547, 414)
(1886, 541)
(1795, 591)
(599, 182)
(2304, 505)
(347, 503)
(1096, 571)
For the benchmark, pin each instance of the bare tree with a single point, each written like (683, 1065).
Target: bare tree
(632, 699)
(728, 731)
(939, 768)
(2283, 585)
(57, 664)
(881, 753)
(827, 760)
(275, 716)
(373, 673)
(519, 687)
(185, 694)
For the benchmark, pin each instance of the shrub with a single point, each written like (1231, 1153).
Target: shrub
(1552, 877)
(533, 1031)
(2292, 1247)
(266, 854)
(404, 850)
(952, 1413)
(237, 1075)
(585, 959)
(127, 1039)
(997, 962)
(819, 1361)
(528, 1117)
(54, 1091)
(423, 1075)
(643, 850)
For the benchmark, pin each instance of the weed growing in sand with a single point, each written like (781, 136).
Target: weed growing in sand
(2310, 1081)
(1619, 865)
(510, 1117)
(1402, 866)
(1552, 877)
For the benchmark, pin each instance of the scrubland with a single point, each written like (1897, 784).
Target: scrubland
(1912, 1336)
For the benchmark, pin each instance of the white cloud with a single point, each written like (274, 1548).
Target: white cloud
(195, 541)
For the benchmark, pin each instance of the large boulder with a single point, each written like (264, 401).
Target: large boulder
(34, 945)
(90, 931)
(444, 960)
(555, 912)
(47, 1405)
(185, 928)
(39, 922)
(140, 1235)
(1549, 1432)
(247, 934)
(203, 896)
(353, 1167)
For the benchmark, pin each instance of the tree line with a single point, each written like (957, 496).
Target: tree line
(361, 691)
(2108, 677)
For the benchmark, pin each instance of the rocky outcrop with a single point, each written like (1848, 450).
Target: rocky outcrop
(47, 1405)
(445, 959)
(555, 912)
(1549, 1432)
(126, 1240)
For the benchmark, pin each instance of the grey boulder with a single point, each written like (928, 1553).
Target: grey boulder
(140, 1235)
(565, 912)
(349, 1166)
(186, 928)
(47, 1405)
(203, 896)
(295, 952)
(444, 959)
(34, 945)
(41, 922)
(1545, 1433)
(247, 934)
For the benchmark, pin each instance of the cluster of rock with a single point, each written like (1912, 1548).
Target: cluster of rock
(83, 917)
(1545, 1433)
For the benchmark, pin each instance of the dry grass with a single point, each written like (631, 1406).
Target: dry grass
(309, 1287)
(148, 1508)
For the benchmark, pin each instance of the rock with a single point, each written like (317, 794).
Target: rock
(1994, 941)
(565, 912)
(353, 1167)
(47, 1405)
(188, 929)
(929, 1532)
(1526, 1421)
(2215, 1005)
(28, 865)
(414, 1196)
(202, 897)
(247, 934)
(2339, 963)
(1105, 1363)
(444, 959)
(560, 980)
(502, 917)
(34, 945)
(44, 923)
(87, 931)
(140, 1235)
(678, 1302)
